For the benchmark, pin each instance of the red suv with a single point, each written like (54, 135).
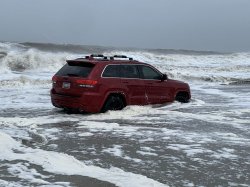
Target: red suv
(98, 83)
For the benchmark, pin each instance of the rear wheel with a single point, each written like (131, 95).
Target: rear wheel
(71, 110)
(182, 97)
(114, 102)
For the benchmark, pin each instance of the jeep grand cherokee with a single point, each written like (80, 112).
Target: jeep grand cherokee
(98, 83)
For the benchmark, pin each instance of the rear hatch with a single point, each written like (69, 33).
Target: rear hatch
(72, 78)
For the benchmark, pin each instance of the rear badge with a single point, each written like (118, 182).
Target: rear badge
(66, 85)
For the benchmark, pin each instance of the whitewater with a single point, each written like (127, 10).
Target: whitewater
(205, 142)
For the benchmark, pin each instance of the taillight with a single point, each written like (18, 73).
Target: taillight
(54, 79)
(86, 83)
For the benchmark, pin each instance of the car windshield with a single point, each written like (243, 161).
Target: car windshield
(75, 70)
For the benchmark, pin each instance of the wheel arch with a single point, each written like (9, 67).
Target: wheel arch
(116, 93)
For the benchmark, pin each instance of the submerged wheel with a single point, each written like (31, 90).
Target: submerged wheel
(182, 97)
(71, 110)
(114, 102)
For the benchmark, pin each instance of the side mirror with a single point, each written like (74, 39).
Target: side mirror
(164, 77)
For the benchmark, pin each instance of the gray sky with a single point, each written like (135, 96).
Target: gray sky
(218, 25)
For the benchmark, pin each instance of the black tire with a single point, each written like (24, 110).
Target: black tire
(182, 97)
(114, 102)
(71, 110)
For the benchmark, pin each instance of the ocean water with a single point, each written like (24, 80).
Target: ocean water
(205, 142)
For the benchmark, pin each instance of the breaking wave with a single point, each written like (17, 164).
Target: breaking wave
(32, 59)
(190, 66)
(222, 68)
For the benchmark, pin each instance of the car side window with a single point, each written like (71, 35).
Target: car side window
(111, 71)
(129, 71)
(150, 73)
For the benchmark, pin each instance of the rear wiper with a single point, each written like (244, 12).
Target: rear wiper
(72, 75)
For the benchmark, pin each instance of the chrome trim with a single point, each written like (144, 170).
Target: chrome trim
(130, 78)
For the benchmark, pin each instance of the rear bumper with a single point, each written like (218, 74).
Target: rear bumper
(88, 102)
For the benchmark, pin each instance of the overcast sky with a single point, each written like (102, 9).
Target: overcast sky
(218, 25)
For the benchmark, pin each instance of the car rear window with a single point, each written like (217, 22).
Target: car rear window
(75, 70)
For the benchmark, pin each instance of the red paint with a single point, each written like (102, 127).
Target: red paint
(89, 92)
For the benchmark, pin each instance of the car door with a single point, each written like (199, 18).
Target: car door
(130, 79)
(157, 90)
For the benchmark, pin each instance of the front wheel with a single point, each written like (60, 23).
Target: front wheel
(113, 103)
(182, 97)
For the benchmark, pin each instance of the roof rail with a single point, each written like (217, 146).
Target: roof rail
(97, 56)
(120, 56)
